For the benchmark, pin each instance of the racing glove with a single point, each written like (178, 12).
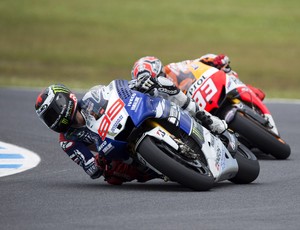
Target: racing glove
(145, 83)
(213, 123)
(222, 62)
(164, 87)
(156, 86)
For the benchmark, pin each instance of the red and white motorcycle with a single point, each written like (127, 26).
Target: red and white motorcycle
(230, 99)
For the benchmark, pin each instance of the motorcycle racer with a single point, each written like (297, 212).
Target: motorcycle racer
(59, 110)
(179, 72)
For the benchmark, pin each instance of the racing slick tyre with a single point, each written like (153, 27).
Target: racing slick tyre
(259, 137)
(192, 174)
(248, 166)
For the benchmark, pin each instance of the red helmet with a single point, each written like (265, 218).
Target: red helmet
(147, 66)
(56, 106)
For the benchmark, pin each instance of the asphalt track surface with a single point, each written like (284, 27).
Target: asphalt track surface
(57, 194)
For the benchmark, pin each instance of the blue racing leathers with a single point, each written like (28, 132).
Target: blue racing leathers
(77, 143)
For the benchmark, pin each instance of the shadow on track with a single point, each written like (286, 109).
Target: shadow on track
(151, 186)
(263, 156)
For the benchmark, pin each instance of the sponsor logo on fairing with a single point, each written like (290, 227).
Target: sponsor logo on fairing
(198, 131)
(115, 126)
(131, 99)
(134, 101)
(103, 144)
(160, 133)
(218, 158)
(105, 147)
(207, 74)
(196, 85)
(220, 162)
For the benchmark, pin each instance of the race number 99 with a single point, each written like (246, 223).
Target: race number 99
(110, 115)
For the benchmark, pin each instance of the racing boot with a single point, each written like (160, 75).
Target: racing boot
(213, 123)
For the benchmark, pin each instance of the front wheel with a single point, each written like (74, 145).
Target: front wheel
(248, 166)
(190, 173)
(259, 137)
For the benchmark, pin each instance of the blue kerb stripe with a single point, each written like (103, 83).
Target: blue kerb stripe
(10, 166)
(11, 156)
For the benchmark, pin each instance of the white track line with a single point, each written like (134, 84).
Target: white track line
(15, 159)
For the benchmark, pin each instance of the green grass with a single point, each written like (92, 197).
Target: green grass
(83, 43)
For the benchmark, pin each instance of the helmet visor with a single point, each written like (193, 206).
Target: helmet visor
(50, 116)
(57, 111)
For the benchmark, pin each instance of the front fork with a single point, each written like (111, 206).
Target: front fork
(266, 120)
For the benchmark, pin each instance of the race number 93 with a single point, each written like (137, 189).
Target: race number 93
(205, 93)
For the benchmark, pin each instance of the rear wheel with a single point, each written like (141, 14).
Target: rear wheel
(259, 137)
(191, 173)
(248, 166)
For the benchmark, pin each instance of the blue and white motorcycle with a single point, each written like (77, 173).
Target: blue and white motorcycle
(158, 134)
